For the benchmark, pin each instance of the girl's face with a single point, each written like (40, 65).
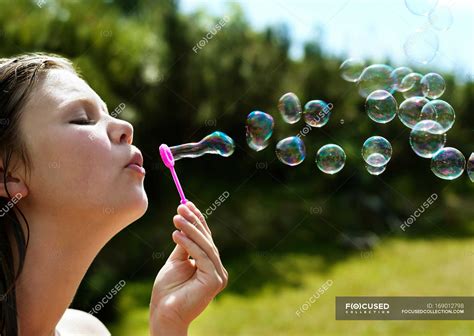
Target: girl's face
(79, 155)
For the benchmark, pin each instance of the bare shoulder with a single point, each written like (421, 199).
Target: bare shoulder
(78, 322)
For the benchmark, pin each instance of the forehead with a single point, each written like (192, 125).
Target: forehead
(57, 87)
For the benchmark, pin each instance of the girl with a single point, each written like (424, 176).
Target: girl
(70, 180)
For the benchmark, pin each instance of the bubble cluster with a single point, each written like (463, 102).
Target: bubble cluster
(376, 151)
(440, 111)
(432, 85)
(470, 167)
(351, 69)
(448, 163)
(411, 85)
(290, 108)
(397, 76)
(291, 151)
(375, 77)
(421, 46)
(316, 113)
(427, 138)
(330, 159)
(259, 129)
(375, 170)
(380, 106)
(409, 111)
(215, 143)
(421, 7)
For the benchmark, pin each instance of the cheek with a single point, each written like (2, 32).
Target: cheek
(76, 166)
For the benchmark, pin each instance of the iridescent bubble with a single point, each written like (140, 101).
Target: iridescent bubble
(441, 18)
(381, 106)
(316, 113)
(351, 69)
(448, 163)
(409, 111)
(291, 151)
(470, 167)
(259, 129)
(427, 138)
(397, 76)
(375, 170)
(330, 159)
(420, 7)
(432, 85)
(376, 151)
(421, 46)
(375, 77)
(440, 111)
(215, 143)
(411, 85)
(290, 107)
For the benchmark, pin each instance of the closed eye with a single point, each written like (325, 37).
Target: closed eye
(83, 122)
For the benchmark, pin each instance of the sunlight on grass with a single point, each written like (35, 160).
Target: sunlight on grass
(396, 267)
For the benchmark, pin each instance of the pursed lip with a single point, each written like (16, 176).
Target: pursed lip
(137, 159)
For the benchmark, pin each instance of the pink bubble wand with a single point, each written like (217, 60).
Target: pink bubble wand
(168, 160)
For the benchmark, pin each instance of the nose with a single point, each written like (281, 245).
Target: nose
(121, 131)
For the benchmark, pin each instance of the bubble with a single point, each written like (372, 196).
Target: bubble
(440, 111)
(376, 151)
(421, 46)
(411, 85)
(259, 129)
(351, 69)
(316, 113)
(381, 106)
(448, 163)
(420, 7)
(290, 108)
(410, 109)
(470, 167)
(427, 138)
(441, 18)
(375, 77)
(398, 74)
(291, 151)
(215, 143)
(330, 159)
(375, 170)
(432, 85)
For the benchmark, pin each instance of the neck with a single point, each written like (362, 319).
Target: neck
(57, 259)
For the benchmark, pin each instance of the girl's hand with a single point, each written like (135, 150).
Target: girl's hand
(184, 287)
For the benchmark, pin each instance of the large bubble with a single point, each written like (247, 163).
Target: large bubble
(375, 77)
(432, 85)
(291, 151)
(376, 151)
(421, 46)
(448, 163)
(381, 107)
(316, 113)
(215, 143)
(427, 138)
(330, 159)
(441, 18)
(409, 111)
(290, 108)
(411, 85)
(351, 69)
(259, 129)
(440, 111)
(397, 76)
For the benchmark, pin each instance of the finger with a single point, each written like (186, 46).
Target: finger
(199, 215)
(202, 260)
(192, 218)
(201, 240)
(179, 253)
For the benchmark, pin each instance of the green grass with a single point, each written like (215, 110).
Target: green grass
(265, 292)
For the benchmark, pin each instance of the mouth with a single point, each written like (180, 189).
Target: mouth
(136, 163)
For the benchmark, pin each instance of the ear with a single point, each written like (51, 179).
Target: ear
(15, 186)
